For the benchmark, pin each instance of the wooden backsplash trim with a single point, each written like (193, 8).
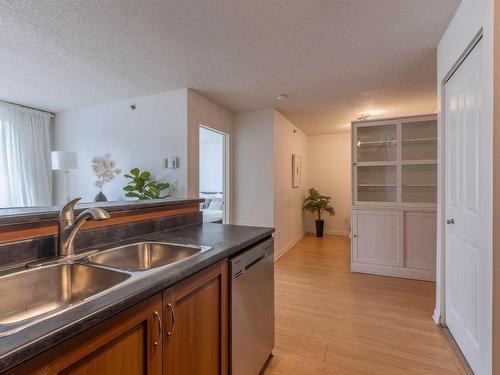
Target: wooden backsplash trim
(22, 231)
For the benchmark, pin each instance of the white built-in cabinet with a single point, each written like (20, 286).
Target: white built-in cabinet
(394, 180)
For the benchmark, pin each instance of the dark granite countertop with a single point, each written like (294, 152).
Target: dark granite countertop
(30, 214)
(226, 240)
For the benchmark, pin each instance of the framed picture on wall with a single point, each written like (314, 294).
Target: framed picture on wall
(296, 170)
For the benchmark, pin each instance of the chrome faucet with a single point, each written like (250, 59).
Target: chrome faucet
(69, 226)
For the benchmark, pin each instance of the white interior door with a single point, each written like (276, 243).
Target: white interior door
(468, 200)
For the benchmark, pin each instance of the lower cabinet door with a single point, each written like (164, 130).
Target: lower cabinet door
(377, 237)
(420, 240)
(196, 324)
(128, 343)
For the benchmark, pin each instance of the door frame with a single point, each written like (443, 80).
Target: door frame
(226, 186)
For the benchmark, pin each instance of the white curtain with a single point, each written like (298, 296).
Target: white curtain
(25, 165)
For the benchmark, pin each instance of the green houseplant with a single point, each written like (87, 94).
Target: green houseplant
(142, 186)
(315, 203)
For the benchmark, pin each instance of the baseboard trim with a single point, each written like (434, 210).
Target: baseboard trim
(404, 272)
(284, 249)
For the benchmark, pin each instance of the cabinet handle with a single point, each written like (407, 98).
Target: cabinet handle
(172, 315)
(160, 330)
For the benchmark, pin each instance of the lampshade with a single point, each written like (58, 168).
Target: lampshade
(63, 160)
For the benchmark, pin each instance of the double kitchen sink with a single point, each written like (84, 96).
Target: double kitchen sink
(33, 295)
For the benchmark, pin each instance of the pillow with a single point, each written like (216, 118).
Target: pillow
(206, 203)
(214, 205)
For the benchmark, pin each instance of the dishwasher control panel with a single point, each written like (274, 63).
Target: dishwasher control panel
(243, 262)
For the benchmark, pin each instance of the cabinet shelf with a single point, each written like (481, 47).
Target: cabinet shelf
(377, 185)
(376, 163)
(419, 162)
(419, 185)
(376, 143)
(420, 140)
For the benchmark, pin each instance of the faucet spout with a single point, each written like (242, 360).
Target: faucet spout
(97, 214)
(69, 226)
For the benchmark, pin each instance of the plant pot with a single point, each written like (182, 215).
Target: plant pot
(100, 197)
(320, 224)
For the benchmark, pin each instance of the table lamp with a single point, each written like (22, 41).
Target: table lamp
(64, 161)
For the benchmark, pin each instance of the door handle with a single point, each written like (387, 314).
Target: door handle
(172, 315)
(450, 221)
(156, 343)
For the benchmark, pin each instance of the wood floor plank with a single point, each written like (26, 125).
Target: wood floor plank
(332, 321)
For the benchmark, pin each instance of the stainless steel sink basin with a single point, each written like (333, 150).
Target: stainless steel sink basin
(33, 294)
(145, 255)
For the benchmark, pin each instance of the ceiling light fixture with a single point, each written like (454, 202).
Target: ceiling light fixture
(282, 96)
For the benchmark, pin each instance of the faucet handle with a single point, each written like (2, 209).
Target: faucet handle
(68, 210)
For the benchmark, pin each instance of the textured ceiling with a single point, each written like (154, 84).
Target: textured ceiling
(336, 59)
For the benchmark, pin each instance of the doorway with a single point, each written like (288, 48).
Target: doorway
(213, 174)
(467, 208)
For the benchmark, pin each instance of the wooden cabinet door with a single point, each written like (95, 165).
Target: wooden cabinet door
(128, 343)
(196, 324)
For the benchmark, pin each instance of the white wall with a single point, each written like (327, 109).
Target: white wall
(138, 138)
(211, 161)
(264, 141)
(202, 111)
(471, 16)
(329, 171)
(253, 190)
(288, 201)
(161, 126)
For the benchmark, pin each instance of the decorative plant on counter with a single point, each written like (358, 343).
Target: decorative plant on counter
(105, 171)
(315, 203)
(143, 187)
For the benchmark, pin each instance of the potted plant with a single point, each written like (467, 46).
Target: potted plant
(315, 203)
(105, 171)
(142, 186)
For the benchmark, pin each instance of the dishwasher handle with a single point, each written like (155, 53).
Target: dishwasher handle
(251, 264)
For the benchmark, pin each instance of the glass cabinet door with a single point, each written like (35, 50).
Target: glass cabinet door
(419, 140)
(376, 143)
(419, 183)
(376, 184)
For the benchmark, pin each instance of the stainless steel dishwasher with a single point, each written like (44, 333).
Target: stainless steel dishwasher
(252, 308)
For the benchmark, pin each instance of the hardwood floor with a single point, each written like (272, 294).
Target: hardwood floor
(332, 321)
